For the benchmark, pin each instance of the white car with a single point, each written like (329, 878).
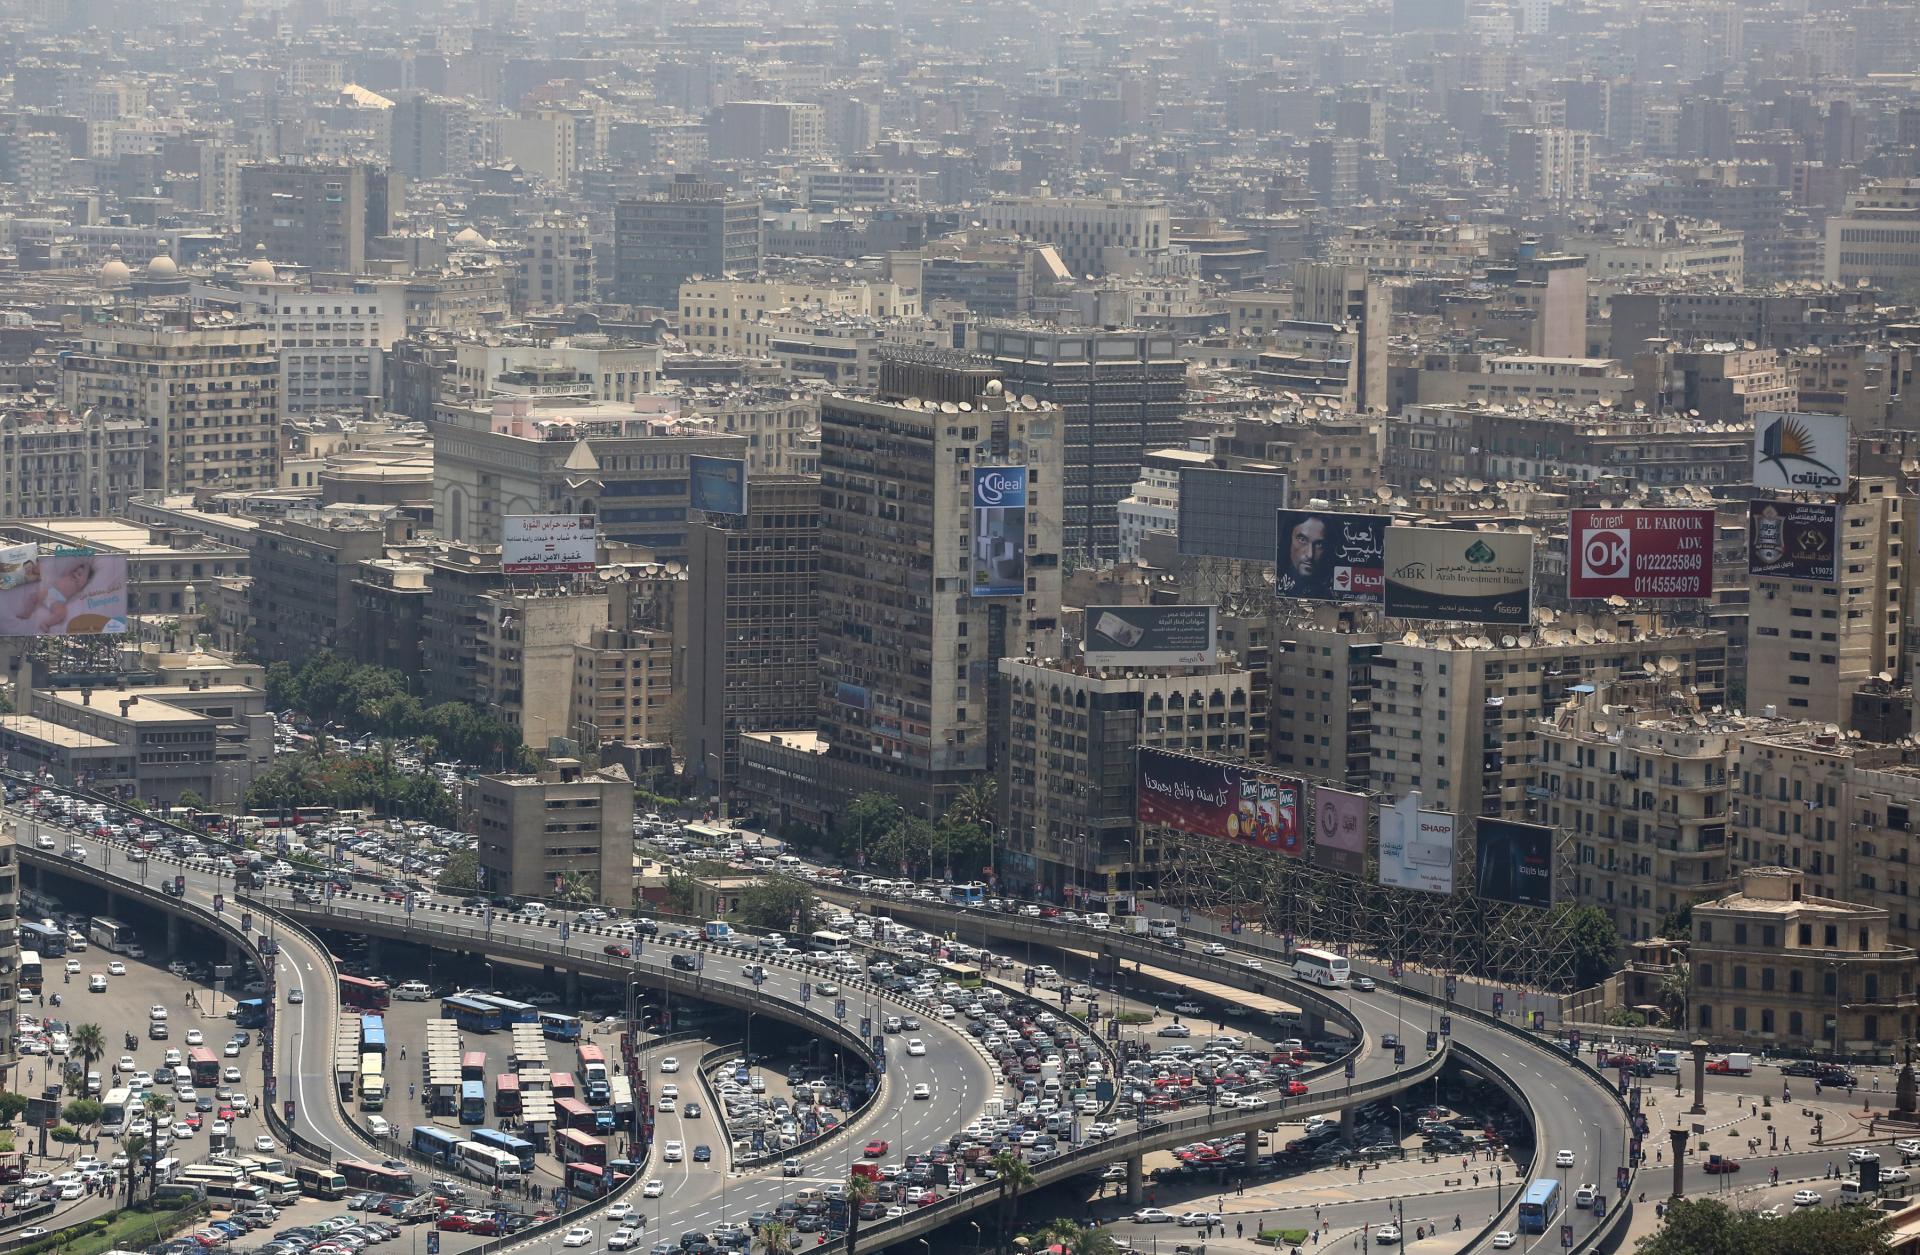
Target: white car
(1564, 1159)
(672, 1152)
(196, 1038)
(1504, 1240)
(1213, 948)
(623, 1239)
(1188, 1008)
(916, 1047)
(1151, 1215)
(157, 1013)
(231, 1075)
(1175, 1030)
(619, 1211)
(1806, 1198)
(73, 967)
(231, 1050)
(96, 984)
(579, 1235)
(116, 968)
(923, 1090)
(183, 1131)
(653, 1188)
(1198, 1219)
(1862, 1154)
(1909, 1148)
(1387, 1235)
(264, 1144)
(670, 1064)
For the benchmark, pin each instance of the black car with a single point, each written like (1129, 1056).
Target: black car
(475, 900)
(1801, 1067)
(684, 962)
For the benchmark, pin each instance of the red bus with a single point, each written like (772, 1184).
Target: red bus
(584, 1180)
(574, 1147)
(363, 994)
(365, 1176)
(563, 1086)
(506, 1094)
(473, 1065)
(204, 1066)
(571, 1113)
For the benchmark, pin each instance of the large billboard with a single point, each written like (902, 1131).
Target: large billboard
(1229, 514)
(1800, 452)
(1332, 557)
(61, 590)
(1474, 576)
(1640, 553)
(1513, 862)
(547, 544)
(999, 531)
(716, 485)
(1796, 540)
(1340, 829)
(1225, 800)
(1149, 636)
(1416, 847)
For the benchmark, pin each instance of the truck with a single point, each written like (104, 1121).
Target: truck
(1666, 1062)
(1735, 1064)
(716, 930)
(1139, 925)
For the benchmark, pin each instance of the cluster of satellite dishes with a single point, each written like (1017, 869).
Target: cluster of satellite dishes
(1026, 401)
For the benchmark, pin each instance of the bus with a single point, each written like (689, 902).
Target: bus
(473, 1102)
(326, 1183)
(1539, 1206)
(593, 1072)
(204, 1066)
(573, 1146)
(561, 1083)
(825, 942)
(472, 1015)
(490, 1163)
(281, 1190)
(250, 1013)
(110, 934)
(1321, 967)
(519, 1148)
(511, 1012)
(621, 1098)
(49, 940)
(373, 1081)
(235, 1191)
(559, 1026)
(965, 975)
(585, 1180)
(506, 1094)
(473, 1065)
(438, 1144)
(973, 893)
(366, 1176)
(116, 1109)
(30, 974)
(571, 1113)
(363, 994)
(373, 1034)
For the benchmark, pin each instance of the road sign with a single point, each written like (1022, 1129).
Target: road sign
(287, 1108)
(839, 1008)
(1349, 1069)
(433, 1242)
(866, 1026)
(1566, 1237)
(1433, 1041)
(1452, 985)
(806, 991)
(1620, 1178)
(1399, 1056)
(1499, 1002)
(1599, 1206)
(1446, 1026)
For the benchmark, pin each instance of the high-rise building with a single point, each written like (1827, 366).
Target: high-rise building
(58, 463)
(1092, 236)
(749, 130)
(696, 230)
(1120, 394)
(303, 574)
(1549, 165)
(321, 215)
(539, 832)
(1346, 297)
(555, 266)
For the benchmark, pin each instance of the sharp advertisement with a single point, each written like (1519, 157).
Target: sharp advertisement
(1340, 830)
(1332, 557)
(1513, 862)
(999, 531)
(1416, 847)
(62, 590)
(716, 485)
(1149, 636)
(1225, 800)
(1229, 514)
(1640, 554)
(548, 544)
(1796, 540)
(1800, 452)
(1473, 576)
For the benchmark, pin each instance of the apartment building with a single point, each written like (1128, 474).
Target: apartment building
(1320, 721)
(545, 832)
(320, 215)
(554, 267)
(696, 229)
(1092, 236)
(590, 367)
(622, 687)
(733, 316)
(304, 569)
(331, 339)
(1876, 238)
(59, 463)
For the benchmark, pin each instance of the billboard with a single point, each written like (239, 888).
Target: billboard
(1229, 514)
(62, 590)
(1442, 573)
(1800, 452)
(999, 531)
(1149, 636)
(1226, 800)
(1416, 847)
(1640, 553)
(1513, 862)
(1332, 557)
(1340, 829)
(547, 544)
(716, 485)
(1796, 540)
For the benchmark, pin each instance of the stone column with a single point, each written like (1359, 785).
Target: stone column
(1699, 1079)
(1679, 1138)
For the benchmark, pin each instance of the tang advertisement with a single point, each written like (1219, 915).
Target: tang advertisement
(1230, 801)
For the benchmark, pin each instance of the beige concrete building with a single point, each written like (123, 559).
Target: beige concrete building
(1091, 235)
(1663, 246)
(1320, 723)
(540, 832)
(735, 315)
(1876, 238)
(623, 686)
(59, 463)
(597, 368)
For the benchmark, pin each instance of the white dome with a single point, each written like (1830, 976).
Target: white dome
(260, 268)
(469, 237)
(114, 273)
(162, 267)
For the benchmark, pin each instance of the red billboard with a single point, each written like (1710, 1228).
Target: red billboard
(1232, 801)
(1640, 553)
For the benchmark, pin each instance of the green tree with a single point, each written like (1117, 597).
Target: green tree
(1594, 942)
(859, 1193)
(82, 1111)
(1677, 925)
(777, 1238)
(191, 800)
(682, 893)
(89, 1043)
(461, 873)
(973, 805)
(783, 903)
(1012, 1175)
(1672, 993)
(870, 817)
(12, 1106)
(1077, 1239)
(134, 1145)
(577, 889)
(1707, 1226)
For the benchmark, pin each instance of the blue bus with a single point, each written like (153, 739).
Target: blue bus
(49, 941)
(1539, 1206)
(472, 1015)
(511, 1012)
(250, 1013)
(373, 1035)
(517, 1147)
(473, 1102)
(973, 893)
(440, 1145)
(559, 1027)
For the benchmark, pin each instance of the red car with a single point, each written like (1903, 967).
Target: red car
(1717, 1164)
(1296, 1088)
(619, 951)
(875, 1149)
(194, 1120)
(454, 1222)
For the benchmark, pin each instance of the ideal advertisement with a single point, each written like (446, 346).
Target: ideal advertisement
(1149, 636)
(1340, 830)
(547, 544)
(1800, 452)
(62, 590)
(1416, 847)
(1332, 557)
(1796, 540)
(1477, 577)
(1224, 800)
(716, 485)
(1640, 553)
(1514, 862)
(999, 531)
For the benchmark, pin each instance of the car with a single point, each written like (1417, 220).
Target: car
(96, 984)
(1563, 1159)
(876, 1148)
(116, 968)
(1806, 1198)
(295, 997)
(1364, 984)
(1720, 1165)
(70, 1192)
(156, 1013)
(1213, 948)
(691, 1111)
(1895, 1176)
(1255, 964)
(231, 1050)
(673, 1152)
(579, 1235)
(1504, 1240)
(1908, 1148)
(1175, 1030)
(1151, 1215)
(264, 1144)
(916, 1047)
(1198, 1219)
(1188, 1008)
(618, 951)
(619, 1211)
(653, 1188)
(73, 967)
(670, 1064)
(923, 1090)
(1863, 1154)
(623, 1239)
(231, 1075)
(196, 1038)
(1387, 1235)
(702, 1154)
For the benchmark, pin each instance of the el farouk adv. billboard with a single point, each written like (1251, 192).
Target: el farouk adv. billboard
(1226, 800)
(1796, 540)
(1326, 556)
(1800, 452)
(1640, 553)
(999, 531)
(1513, 862)
(1473, 576)
(548, 544)
(1149, 636)
(62, 590)
(1340, 829)
(1416, 847)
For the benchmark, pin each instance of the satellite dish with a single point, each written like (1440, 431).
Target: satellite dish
(673, 566)
(1548, 614)
(1427, 484)
(966, 407)
(1617, 601)
(948, 407)
(1383, 494)
(1669, 665)
(911, 403)
(1832, 729)
(1602, 635)
(1583, 634)
(1476, 485)
(1029, 402)
(1411, 638)
(1648, 667)
(1510, 642)
(1699, 720)
(1886, 677)
(1603, 726)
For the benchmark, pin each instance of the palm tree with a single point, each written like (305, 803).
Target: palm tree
(157, 1108)
(89, 1043)
(1013, 1176)
(134, 1146)
(974, 803)
(1672, 993)
(1077, 1239)
(577, 889)
(777, 1238)
(859, 1193)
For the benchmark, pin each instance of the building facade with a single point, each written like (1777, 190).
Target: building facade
(564, 826)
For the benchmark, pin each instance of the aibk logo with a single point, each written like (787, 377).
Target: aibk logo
(1606, 553)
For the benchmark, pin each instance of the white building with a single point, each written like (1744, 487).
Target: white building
(1152, 506)
(331, 341)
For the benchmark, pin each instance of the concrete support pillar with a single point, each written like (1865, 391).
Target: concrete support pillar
(1346, 1124)
(373, 954)
(1699, 1079)
(173, 934)
(233, 957)
(1679, 1138)
(1250, 1152)
(113, 904)
(572, 988)
(1136, 1187)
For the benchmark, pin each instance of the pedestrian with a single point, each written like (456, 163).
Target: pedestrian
(1476, 1178)
(1239, 1229)
(1789, 1144)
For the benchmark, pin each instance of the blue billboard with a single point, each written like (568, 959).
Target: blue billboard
(999, 531)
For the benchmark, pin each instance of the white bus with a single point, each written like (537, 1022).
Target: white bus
(1321, 967)
(490, 1164)
(825, 942)
(116, 1109)
(110, 934)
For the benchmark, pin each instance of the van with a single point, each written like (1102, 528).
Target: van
(787, 863)
(1163, 929)
(1100, 920)
(93, 1084)
(165, 1170)
(1852, 1194)
(412, 991)
(1583, 1197)
(378, 1126)
(809, 1196)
